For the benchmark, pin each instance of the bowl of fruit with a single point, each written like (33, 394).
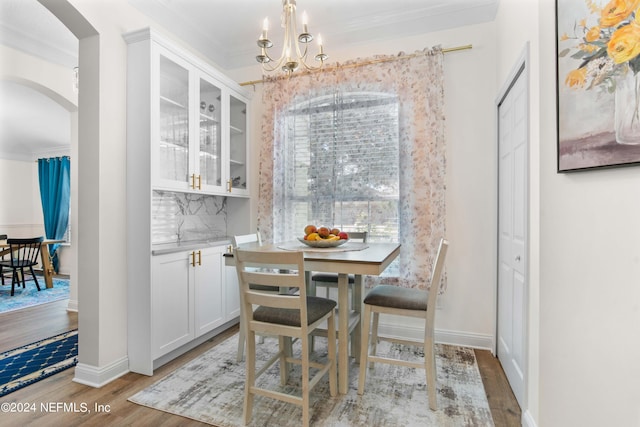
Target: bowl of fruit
(323, 237)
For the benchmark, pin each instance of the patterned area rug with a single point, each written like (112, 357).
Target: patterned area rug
(34, 362)
(210, 389)
(30, 296)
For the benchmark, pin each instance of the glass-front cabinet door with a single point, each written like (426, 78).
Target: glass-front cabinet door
(209, 161)
(201, 135)
(237, 181)
(173, 149)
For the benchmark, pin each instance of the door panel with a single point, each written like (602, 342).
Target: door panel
(512, 229)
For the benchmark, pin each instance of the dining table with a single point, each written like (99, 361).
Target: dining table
(45, 257)
(352, 258)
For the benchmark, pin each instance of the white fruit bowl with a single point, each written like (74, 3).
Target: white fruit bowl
(323, 243)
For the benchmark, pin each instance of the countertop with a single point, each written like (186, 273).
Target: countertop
(167, 248)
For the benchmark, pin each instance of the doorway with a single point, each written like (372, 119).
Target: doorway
(513, 225)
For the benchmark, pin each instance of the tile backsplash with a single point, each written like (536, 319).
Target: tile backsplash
(181, 217)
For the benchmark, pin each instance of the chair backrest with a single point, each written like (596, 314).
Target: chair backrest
(360, 236)
(281, 269)
(246, 238)
(25, 251)
(434, 285)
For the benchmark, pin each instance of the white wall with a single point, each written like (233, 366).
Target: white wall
(584, 347)
(467, 314)
(589, 279)
(20, 213)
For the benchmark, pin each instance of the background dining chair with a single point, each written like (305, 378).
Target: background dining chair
(289, 317)
(404, 302)
(330, 280)
(23, 254)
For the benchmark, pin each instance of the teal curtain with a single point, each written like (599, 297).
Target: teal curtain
(55, 189)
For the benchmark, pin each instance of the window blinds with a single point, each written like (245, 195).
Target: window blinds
(342, 164)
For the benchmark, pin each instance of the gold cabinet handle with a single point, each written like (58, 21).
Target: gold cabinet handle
(199, 182)
(193, 259)
(199, 257)
(229, 185)
(193, 181)
(230, 249)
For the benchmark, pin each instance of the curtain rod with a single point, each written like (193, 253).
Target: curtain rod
(375, 61)
(54, 157)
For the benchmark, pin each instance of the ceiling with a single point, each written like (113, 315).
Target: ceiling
(223, 30)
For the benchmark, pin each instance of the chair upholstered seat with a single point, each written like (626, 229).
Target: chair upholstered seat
(317, 308)
(397, 297)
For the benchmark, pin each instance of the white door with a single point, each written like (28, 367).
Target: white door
(172, 302)
(512, 229)
(209, 313)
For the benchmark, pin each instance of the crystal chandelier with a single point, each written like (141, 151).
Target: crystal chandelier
(292, 55)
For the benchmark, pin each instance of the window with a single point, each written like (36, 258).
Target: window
(341, 165)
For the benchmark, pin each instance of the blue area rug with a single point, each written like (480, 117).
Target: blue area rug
(30, 296)
(26, 365)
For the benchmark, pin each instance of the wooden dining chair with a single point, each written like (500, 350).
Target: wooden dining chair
(240, 240)
(330, 280)
(23, 254)
(409, 302)
(287, 316)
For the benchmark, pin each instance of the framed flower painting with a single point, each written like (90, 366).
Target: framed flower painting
(598, 83)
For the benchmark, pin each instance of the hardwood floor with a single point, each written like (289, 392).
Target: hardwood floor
(58, 401)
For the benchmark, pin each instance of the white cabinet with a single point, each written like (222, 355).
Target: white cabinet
(193, 118)
(186, 133)
(189, 297)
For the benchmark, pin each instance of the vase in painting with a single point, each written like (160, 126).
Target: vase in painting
(627, 111)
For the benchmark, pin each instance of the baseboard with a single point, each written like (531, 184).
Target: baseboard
(72, 305)
(95, 376)
(465, 339)
(461, 338)
(162, 360)
(527, 420)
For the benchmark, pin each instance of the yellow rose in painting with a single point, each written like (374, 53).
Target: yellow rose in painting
(576, 78)
(625, 43)
(593, 34)
(617, 10)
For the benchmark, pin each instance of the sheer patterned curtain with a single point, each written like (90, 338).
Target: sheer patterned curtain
(417, 82)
